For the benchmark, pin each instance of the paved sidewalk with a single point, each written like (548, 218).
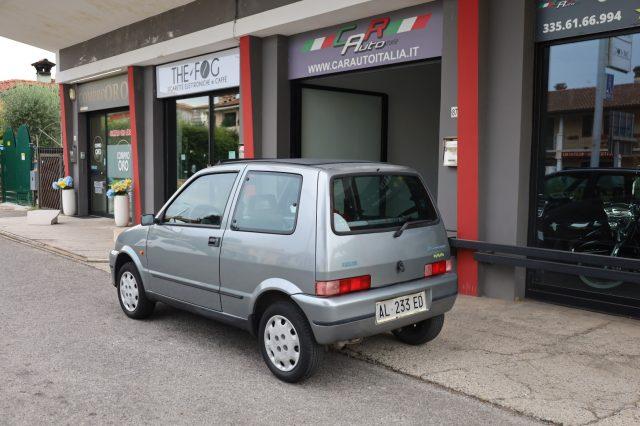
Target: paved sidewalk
(554, 363)
(85, 239)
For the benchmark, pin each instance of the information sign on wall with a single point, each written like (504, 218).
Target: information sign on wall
(204, 73)
(570, 18)
(112, 92)
(404, 35)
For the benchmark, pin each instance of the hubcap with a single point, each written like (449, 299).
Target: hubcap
(282, 343)
(129, 291)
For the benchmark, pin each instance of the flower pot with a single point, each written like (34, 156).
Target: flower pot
(121, 210)
(68, 202)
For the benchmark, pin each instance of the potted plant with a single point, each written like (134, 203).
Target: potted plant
(65, 185)
(119, 191)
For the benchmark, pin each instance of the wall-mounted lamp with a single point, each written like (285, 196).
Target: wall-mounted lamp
(72, 94)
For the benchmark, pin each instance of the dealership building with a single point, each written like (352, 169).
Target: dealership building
(519, 115)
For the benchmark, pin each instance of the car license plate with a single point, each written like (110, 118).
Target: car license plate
(399, 307)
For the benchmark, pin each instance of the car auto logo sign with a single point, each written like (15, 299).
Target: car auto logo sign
(545, 4)
(382, 28)
(409, 34)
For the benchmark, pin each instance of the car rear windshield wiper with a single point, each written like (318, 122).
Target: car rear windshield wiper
(404, 227)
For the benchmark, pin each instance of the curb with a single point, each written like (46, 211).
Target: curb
(51, 249)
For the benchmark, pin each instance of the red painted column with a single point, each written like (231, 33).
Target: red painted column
(246, 98)
(63, 130)
(468, 135)
(135, 157)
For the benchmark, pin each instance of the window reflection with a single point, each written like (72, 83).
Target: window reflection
(194, 143)
(589, 196)
(192, 136)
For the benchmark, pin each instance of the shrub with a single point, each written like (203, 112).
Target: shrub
(36, 106)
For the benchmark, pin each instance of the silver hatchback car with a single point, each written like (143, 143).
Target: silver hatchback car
(302, 253)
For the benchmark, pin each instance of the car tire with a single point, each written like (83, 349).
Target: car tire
(421, 332)
(131, 295)
(287, 343)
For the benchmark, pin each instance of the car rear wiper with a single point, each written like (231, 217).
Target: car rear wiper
(404, 227)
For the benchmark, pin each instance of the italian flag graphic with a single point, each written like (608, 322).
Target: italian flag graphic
(546, 4)
(395, 27)
(407, 24)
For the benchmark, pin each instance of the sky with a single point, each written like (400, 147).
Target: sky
(22, 56)
(576, 64)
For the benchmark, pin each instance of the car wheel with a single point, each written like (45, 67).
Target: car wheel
(287, 343)
(421, 332)
(131, 295)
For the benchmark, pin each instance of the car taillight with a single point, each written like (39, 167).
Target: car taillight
(343, 286)
(438, 268)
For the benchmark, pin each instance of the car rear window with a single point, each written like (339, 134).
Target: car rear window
(379, 202)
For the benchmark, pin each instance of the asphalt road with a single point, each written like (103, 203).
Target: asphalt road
(68, 355)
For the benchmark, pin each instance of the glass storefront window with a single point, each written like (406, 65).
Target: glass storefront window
(192, 136)
(588, 187)
(206, 131)
(226, 110)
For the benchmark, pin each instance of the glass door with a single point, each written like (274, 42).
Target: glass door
(97, 165)
(109, 157)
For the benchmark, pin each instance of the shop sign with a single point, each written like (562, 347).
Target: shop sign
(570, 18)
(112, 92)
(620, 53)
(205, 73)
(405, 35)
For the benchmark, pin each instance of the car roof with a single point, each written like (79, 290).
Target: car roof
(331, 165)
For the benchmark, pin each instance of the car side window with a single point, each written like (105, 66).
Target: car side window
(202, 202)
(613, 189)
(268, 202)
(565, 187)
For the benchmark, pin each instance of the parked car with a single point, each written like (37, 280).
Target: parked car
(593, 211)
(301, 253)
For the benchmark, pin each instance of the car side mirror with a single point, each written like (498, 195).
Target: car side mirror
(148, 220)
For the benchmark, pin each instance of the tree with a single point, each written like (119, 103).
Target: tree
(36, 106)
(3, 126)
(225, 140)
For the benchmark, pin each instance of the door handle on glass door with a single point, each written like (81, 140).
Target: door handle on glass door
(214, 241)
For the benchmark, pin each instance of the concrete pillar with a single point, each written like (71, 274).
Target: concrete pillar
(275, 108)
(251, 95)
(448, 176)
(137, 122)
(154, 146)
(506, 111)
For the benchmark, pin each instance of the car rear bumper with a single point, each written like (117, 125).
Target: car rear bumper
(335, 319)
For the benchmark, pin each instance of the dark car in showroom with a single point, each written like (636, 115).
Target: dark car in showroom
(592, 211)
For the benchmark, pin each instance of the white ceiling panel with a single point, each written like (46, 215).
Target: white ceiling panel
(55, 24)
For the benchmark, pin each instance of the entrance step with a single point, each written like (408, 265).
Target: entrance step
(42, 217)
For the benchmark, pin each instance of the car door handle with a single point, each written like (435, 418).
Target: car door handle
(214, 241)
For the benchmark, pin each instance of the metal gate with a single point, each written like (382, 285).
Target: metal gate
(50, 168)
(16, 166)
